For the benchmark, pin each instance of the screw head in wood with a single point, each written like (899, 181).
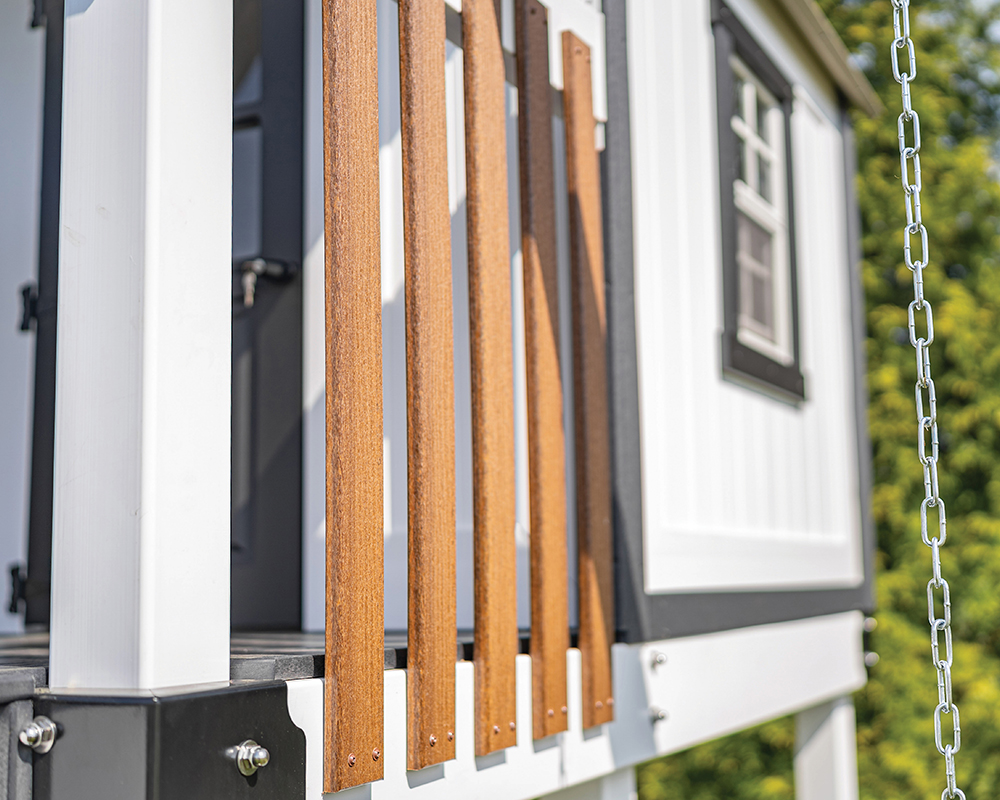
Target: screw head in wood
(450, 736)
(564, 709)
(433, 740)
(611, 702)
(598, 704)
(552, 712)
(513, 726)
(375, 754)
(352, 760)
(496, 729)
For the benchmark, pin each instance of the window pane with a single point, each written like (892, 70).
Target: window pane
(761, 308)
(738, 93)
(760, 244)
(741, 159)
(762, 109)
(764, 178)
(754, 251)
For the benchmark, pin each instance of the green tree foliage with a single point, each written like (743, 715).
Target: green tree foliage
(957, 95)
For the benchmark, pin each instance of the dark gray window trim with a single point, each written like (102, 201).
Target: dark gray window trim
(640, 616)
(738, 360)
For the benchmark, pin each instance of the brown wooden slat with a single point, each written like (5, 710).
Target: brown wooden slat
(593, 465)
(430, 397)
(354, 527)
(494, 549)
(546, 445)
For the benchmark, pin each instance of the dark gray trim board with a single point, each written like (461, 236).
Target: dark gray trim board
(43, 421)
(623, 364)
(640, 616)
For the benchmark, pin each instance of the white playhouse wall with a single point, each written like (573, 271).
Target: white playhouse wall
(722, 462)
(742, 490)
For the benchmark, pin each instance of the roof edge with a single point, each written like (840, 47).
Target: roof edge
(832, 52)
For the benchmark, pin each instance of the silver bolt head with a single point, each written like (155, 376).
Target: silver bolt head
(31, 735)
(260, 757)
(39, 734)
(657, 714)
(250, 757)
(659, 659)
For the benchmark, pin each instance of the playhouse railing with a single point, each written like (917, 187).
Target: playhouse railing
(354, 619)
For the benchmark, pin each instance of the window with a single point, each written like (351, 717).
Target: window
(760, 343)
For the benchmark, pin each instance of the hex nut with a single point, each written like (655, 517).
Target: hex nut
(250, 757)
(39, 734)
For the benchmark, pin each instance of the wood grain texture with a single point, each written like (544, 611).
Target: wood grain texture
(492, 375)
(354, 528)
(590, 390)
(546, 444)
(430, 396)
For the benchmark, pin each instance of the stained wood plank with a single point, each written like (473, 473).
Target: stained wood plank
(546, 444)
(593, 470)
(492, 374)
(354, 528)
(430, 411)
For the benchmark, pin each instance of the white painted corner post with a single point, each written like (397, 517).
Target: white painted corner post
(826, 752)
(141, 542)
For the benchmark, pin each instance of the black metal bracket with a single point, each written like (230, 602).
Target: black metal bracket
(29, 305)
(170, 745)
(18, 588)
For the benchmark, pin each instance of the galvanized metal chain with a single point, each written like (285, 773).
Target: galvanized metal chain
(926, 396)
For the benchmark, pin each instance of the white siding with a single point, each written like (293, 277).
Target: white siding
(741, 490)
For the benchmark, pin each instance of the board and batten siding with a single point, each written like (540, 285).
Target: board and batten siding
(742, 490)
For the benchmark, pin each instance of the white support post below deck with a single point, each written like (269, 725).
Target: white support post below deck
(618, 785)
(141, 541)
(826, 752)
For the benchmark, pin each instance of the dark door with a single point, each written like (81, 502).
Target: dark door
(267, 334)
(267, 313)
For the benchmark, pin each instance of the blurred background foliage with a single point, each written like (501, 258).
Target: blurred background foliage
(957, 95)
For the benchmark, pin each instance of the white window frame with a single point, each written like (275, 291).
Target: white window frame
(771, 215)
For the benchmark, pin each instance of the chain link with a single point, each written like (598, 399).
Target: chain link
(925, 394)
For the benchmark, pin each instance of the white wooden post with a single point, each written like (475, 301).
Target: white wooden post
(141, 542)
(826, 752)
(618, 785)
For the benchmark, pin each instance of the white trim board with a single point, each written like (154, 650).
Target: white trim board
(782, 668)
